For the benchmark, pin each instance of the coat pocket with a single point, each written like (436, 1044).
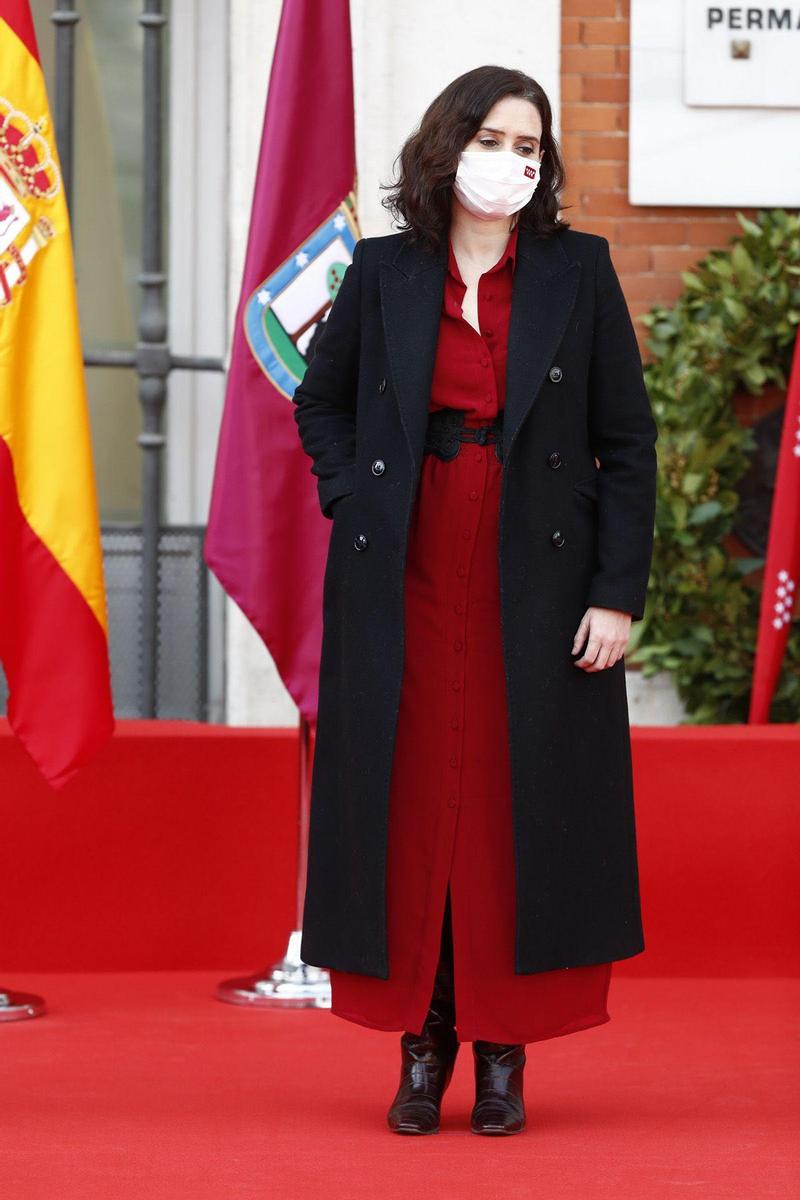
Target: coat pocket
(588, 486)
(340, 502)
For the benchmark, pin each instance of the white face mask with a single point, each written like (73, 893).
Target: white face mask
(495, 183)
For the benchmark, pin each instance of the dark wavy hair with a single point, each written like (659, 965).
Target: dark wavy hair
(422, 196)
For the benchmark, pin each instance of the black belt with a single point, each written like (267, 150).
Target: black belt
(446, 431)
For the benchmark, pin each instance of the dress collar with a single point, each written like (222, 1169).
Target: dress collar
(510, 252)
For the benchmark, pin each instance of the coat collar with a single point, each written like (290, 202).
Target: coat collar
(411, 290)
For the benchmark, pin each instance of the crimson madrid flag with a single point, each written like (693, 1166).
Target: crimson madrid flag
(782, 566)
(266, 539)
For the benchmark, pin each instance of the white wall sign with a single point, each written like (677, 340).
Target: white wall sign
(746, 153)
(741, 56)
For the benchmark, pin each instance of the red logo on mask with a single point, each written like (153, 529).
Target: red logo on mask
(530, 172)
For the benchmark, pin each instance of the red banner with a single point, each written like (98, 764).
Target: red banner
(267, 539)
(782, 566)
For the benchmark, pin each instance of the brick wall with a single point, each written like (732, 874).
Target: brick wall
(650, 244)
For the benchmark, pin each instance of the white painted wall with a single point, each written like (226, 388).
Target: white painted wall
(198, 293)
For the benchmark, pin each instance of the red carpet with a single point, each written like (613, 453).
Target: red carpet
(172, 858)
(143, 1086)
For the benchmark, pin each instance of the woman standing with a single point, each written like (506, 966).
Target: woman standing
(484, 444)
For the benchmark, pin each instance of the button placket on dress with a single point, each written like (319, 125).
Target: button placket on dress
(472, 464)
(472, 489)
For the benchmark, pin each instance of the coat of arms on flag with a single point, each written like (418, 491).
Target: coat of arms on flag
(27, 172)
(284, 312)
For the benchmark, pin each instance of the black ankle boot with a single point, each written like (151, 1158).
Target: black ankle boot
(499, 1106)
(428, 1058)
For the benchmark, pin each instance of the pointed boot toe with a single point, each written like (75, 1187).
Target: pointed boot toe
(414, 1115)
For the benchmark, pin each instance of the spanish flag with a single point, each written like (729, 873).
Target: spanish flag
(53, 621)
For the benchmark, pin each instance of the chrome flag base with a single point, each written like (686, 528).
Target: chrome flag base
(290, 983)
(20, 1006)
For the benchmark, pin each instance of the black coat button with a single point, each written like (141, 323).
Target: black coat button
(382, 386)
(360, 541)
(378, 467)
(557, 538)
(555, 374)
(554, 460)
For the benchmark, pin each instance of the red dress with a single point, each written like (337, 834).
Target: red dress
(450, 818)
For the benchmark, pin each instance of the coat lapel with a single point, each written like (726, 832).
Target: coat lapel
(411, 291)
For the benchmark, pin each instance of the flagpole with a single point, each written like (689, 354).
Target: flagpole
(296, 225)
(288, 983)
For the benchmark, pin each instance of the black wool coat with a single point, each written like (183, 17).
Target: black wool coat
(571, 535)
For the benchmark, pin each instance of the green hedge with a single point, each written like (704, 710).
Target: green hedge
(731, 330)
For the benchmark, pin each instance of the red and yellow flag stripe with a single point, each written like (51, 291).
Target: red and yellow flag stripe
(53, 620)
